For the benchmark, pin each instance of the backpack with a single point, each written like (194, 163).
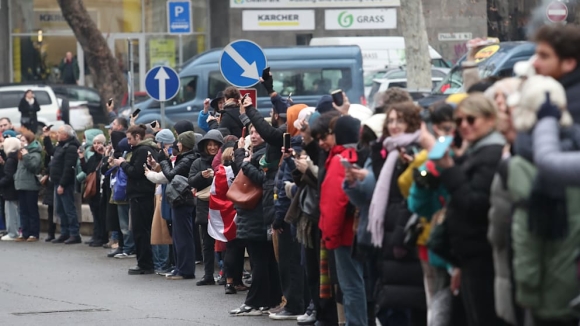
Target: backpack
(178, 192)
(120, 186)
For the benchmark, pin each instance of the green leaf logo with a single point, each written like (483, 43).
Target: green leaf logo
(345, 19)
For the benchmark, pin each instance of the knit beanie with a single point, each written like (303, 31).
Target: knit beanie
(346, 130)
(292, 116)
(376, 123)
(165, 136)
(182, 126)
(360, 112)
(11, 145)
(187, 139)
(324, 104)
(100, 139)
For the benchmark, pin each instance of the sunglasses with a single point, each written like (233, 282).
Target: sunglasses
(470, 120)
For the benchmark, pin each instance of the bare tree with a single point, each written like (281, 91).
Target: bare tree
(107, 74)
(416, 45)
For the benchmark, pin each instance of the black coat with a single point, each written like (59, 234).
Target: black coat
(92, 165)
(7, 188)
(64, 161)
(28, 110)
(253, 224)
(137, 184)
(469, 187)
(230, 120)
(571, 83)
(183, 164)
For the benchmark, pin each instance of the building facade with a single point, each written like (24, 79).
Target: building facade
(38, 36)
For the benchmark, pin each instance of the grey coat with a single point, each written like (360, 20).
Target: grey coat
(498, 233)
(30, 165)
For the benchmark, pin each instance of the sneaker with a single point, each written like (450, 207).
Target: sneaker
(245, 311)
(307, 319)
(179, 277)
(276, 310)
(221, 281)
(20, 239)
(32, 239)
(73, 240)
(231, 289)
(49, 238)
(125, 255)
(112, 244)
(206, 281)
(8, 238)
(241, 288)
(265, 311)
(284, 315)
(114, 253)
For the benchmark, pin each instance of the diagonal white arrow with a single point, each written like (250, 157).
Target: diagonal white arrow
(162, 76)
(250, 70)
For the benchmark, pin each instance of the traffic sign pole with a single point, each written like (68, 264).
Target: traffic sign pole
(162, 83)
(163, 122)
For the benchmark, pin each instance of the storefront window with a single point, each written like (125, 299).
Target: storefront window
(164, 49)
(111, 16)
(39, 61)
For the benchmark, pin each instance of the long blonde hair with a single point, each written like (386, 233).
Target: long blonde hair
(228, 154)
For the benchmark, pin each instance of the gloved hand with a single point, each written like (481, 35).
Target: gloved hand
(548, 109)
(268, 84)
(278, 224)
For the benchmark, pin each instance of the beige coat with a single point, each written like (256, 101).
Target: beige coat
(159, 231)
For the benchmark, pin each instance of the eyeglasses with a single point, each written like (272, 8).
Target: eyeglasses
(470, 120)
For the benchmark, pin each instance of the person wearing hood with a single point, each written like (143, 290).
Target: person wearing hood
(62, 172)
(7, 189)
(468, 182)
(289, 250)
(337, 218)
(230, 118)
(140, 192)
(88, 166)
(200, 178)
(217, 104)
(27, 185)
(182, 225)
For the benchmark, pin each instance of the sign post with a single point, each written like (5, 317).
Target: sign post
(242, 62)
(162, 83)
(557, 12)
(179, 17)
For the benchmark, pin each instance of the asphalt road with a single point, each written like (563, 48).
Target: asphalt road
(49, 284)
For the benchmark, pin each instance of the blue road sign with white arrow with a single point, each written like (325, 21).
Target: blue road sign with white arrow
(242, 63)
(179, 17)
(162, 83)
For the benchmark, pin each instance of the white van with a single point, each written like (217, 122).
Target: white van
(379, 51)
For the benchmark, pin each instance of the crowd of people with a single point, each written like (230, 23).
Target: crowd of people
(348, 215)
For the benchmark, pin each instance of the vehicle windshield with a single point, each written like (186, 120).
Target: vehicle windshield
(453, 82)
(369, 76)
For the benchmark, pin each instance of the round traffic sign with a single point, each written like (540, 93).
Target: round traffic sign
(557, 12)
(242, 63)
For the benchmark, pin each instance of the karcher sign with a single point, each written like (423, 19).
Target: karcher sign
(360, 19)
(278, 20)
(250, 4)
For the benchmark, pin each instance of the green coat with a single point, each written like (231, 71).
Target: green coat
(30, 166)
(545, 271)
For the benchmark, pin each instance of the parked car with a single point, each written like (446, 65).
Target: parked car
(396, 73)
(382, 84)
(89, 95)
(51, 107)
(295, 70)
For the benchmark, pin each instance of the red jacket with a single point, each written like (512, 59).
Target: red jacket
(336, 226)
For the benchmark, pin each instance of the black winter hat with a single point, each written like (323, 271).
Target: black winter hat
(346, 130)
(182, 126)
(116, 137)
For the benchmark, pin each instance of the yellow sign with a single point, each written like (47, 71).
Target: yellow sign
(162, 52)
(486, 52)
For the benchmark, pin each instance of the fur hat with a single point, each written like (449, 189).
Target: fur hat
(532, 96)
(360, 112)
(11, 145)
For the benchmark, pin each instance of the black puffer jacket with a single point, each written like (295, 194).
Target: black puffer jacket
(64, 160)
(137, 184)
(182, 166)
(230, 120)
(196, 179)
(571, 83)
(7, 188)
(253, 224)
(91, 165)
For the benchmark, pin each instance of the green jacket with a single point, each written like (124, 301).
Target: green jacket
(545, 271)
(30, 165)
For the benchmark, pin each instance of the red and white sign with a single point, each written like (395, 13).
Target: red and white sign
(252, 94)
(557, 12)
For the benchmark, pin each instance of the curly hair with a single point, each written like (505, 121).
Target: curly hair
(410, 114)
(394, 96)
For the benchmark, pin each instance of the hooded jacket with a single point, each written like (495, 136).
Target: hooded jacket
(28, 168)
(137, 183)
(64, 160)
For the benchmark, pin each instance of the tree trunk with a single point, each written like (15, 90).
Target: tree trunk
(107, 74)
(416, 45)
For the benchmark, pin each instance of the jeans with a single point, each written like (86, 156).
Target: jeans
(115, 234)
(291, 271)
(142, 210)
(350, 278)
(66, 210)
(29, 215)
(12, 219)
(128, 241)
(160, 257)
(51, 224)
(183, 243)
